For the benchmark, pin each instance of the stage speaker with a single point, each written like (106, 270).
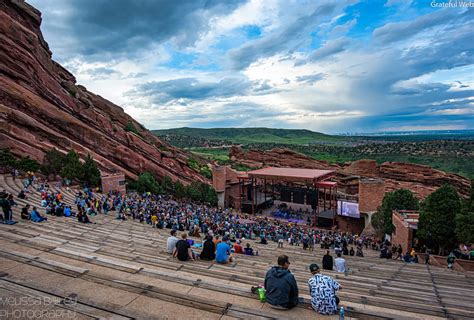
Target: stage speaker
(312, 198)
(298, 196)
(285, 195)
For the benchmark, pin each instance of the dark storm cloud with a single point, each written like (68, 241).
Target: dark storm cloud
(102, 28)
(190, 88)
(161, 92)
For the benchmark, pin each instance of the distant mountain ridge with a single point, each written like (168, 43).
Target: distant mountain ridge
(253, 135)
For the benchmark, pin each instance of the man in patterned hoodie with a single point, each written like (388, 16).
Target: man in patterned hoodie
(323, 291)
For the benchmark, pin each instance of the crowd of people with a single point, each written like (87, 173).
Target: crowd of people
(224, 233)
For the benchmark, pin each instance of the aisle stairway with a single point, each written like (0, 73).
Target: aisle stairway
(119, 269)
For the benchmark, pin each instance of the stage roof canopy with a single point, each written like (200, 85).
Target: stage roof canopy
(290, 174)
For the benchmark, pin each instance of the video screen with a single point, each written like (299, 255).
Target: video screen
(348, 209)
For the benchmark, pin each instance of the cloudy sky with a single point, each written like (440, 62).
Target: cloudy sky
(329, 66)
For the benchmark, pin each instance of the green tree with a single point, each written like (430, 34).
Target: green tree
(7, 159)
(179, 190)
(147, 183)
(53, 162)
(465, 220)
(28, 164)
(202, 192)
(167, 184)
(436, 225)
(401, 199)
(72, 166)
(193, 192)
(206, 172)
(90, 172)
(193, 164)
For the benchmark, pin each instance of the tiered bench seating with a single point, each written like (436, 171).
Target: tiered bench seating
(119, 269)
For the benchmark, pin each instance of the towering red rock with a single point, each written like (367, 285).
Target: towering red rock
(41, 107)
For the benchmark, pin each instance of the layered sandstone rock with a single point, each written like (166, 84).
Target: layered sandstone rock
(41, 107)
(419, 175)
(277, 157)
(422, 180)
(364, 167)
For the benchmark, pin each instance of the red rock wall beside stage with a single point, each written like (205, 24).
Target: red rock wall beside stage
(371, 193)
(350, 224)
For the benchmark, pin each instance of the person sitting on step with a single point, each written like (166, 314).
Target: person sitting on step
(223, 254)
(171, 242)
(280, 285)
(208, 249)
(238, 247)
(25, 215)
(36, 217)
(323, 289)
(248, 250)
(183, 250)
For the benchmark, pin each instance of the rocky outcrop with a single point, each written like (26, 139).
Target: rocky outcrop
(364, 168)
(420, 175)
(41, 107)
(277, 157)
(422, 180)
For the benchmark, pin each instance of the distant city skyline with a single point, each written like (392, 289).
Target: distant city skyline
(327, 66)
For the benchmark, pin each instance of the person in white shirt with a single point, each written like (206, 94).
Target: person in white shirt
(171, 242)
(340, 263)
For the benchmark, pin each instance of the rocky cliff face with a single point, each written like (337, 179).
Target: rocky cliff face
(422, 180)
(41, 107)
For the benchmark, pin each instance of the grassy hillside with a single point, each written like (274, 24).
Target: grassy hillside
(452, 152)
(255, 135)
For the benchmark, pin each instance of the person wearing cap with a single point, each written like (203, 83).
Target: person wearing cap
(280, 285)
(323, 289)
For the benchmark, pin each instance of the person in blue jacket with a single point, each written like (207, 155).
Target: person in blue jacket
(36, 217)
(280, 285)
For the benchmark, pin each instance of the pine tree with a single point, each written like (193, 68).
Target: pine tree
(401, 199)
(465, 220)
(436, 223)
(72, 168)
(147, 183)
(53, 162)
(90, 172)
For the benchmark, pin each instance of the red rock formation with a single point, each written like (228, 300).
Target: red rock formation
(422, 180)
(419, 175)
(277, 157)
(364, 167)
(41, 107)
